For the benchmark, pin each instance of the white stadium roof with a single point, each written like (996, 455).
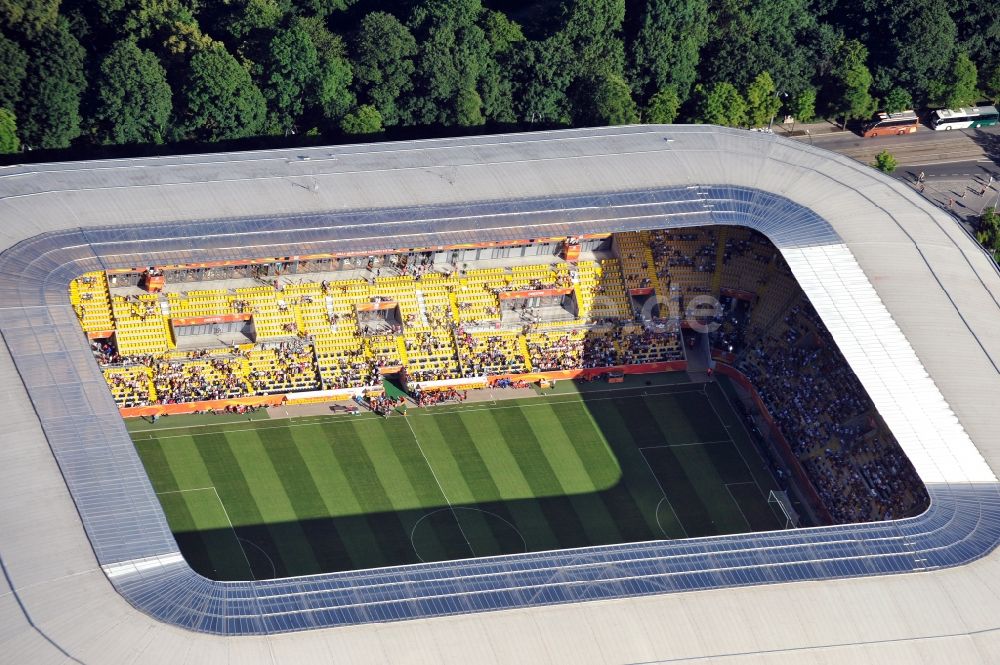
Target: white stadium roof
(911, 301)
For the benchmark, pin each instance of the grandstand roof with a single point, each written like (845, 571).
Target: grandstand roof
(907, 295)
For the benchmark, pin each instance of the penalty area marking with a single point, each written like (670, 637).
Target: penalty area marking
(239, 541)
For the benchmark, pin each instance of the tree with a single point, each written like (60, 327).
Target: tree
(248, 16)
(290, 69)
(29, 17)
(850, 96)
(885, 162)
(993, 85)
(496, 82)
(133, 96)
(898, 100)
(383, 65)
(451, 59)
(363, 120)
(139, 18)
(8, 132)
(331, 94)
(988, 231)
(804, 105)
(323, 8)
(666, 50)
(762, 100)
(546, 78)
(182, 37)
(593, 31)
(923, 43)
(752, 36)
(219, 99)
(15, 67)
(664, 106)
(469, 108)
(613, 103)
(721, 104)
(962, 86)
(50, 104)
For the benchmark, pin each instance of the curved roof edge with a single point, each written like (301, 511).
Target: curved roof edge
(859, 234)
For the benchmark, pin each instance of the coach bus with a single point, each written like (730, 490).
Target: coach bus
(978, 116)
(884, 124)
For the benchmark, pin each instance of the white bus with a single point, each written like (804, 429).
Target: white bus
(977, 116)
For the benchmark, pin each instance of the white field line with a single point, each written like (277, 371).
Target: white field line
(440, 487)
(295, 422)
(229, 521)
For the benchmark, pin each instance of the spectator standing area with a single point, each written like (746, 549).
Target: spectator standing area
(273, 498)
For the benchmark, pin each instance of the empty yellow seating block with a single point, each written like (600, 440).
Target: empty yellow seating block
(140, 328)
(272, 314)
(91, 301)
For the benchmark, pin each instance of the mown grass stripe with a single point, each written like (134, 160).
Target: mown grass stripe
(184, 458)
(206, 545)
(157, 467)
(315, 446)
(679, 492)
(560, 514)
(233, 487)
(703, 478)
(573, 476)
(755, 508)
(392, 528)
(455, 462)
(475, 457)
(458, 467)
(703, 419)
(720, 395)
(225, 554)
(274, 504)
(638, 480)
(560, 451)
(399, 464)
(605, 472)
(711, 489)
(496, 455)
(307, 502)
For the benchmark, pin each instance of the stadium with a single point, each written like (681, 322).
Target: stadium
(470, 395)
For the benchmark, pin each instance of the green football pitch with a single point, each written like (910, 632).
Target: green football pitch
(280, 497)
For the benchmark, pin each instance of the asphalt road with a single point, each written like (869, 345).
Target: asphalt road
(924, 148)
(956, 164)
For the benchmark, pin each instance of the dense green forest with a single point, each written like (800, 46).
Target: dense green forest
(86, 73)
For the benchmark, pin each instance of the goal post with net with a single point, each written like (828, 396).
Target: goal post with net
(780, 500)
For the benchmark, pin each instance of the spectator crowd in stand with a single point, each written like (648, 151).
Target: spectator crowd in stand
(859, 472)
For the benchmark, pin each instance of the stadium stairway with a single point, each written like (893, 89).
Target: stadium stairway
(522, 346)
(720, 255)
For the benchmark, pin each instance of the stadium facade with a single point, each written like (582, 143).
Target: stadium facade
(908, 297)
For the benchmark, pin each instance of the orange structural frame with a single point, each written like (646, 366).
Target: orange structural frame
(376, 306)
(534, 293)
(199, 320)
